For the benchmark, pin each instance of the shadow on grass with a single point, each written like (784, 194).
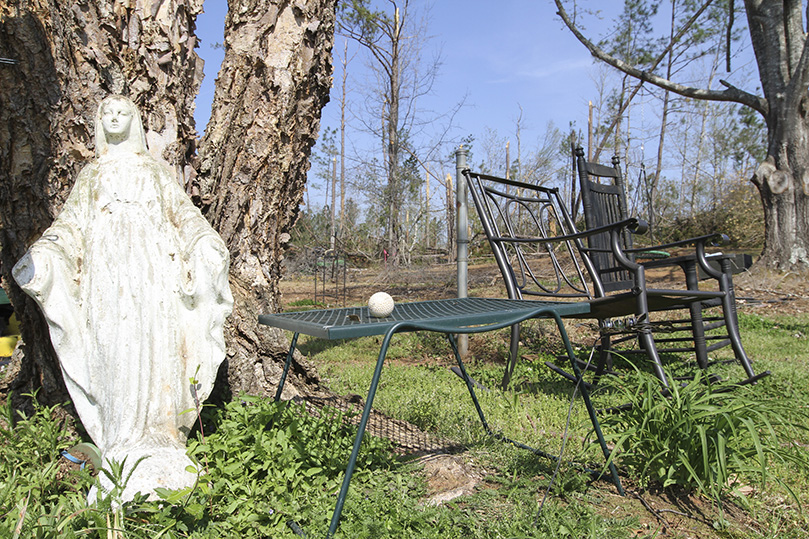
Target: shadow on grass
(311, 346)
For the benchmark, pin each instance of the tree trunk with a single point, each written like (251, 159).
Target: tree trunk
(272, 85)
(69, 57)
(253, 160)
(343, 105)
(450, 220)
(394, 190)
(779, 43)
(783, 184)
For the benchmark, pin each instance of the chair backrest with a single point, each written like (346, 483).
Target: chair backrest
(518, 219)
(603, 196)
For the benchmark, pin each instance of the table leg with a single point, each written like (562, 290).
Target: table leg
(352, 461)
(585, 395)
(366, 413)
(288, 362)
(695, 311)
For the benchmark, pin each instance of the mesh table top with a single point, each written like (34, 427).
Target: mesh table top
(352, 322)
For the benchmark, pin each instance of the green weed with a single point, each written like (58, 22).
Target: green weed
(699, 438)
(268, 463)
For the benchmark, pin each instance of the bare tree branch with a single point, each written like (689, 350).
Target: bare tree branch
(639, 85)
(731, 93)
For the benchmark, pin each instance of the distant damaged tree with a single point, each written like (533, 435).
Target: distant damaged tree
(779, 40)
(394, 41)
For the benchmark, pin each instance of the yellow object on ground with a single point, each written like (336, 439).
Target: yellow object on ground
(13, 327)
(7, 345)
(10, 337)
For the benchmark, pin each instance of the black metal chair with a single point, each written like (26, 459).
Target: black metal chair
(540, 253)
(710, 324)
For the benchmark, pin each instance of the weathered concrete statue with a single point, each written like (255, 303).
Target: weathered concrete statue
(133, 282)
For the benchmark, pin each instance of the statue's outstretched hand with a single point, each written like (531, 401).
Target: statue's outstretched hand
(24, 270)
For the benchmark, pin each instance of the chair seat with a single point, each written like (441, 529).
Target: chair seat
(625, 304)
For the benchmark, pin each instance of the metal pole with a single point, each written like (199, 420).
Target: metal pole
(462, 229)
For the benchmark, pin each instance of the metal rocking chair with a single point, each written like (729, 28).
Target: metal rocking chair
(540, 253)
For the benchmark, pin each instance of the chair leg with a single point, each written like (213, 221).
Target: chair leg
(732, 322)
(645, 337)
(697, 322)
(647, 344)
(591, 411)
(604, 357)
(698, 334)
(732, 325)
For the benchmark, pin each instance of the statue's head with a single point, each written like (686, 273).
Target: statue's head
(118, 124)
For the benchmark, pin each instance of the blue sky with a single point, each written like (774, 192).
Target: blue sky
(508, 58)
(210, 31)
(502, 57)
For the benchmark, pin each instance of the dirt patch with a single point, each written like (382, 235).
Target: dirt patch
(449, 477)
(766, 292)
(673, 513)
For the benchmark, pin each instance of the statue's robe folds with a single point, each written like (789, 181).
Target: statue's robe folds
(133, 282)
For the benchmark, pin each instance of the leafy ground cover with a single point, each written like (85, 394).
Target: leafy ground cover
(697, 465)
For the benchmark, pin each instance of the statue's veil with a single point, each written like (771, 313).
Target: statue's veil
(137, 137)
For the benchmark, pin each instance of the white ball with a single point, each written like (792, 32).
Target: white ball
(380, 305)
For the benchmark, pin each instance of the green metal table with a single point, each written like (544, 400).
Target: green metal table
(447, 316)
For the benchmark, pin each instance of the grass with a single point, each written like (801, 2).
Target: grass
(761, 435)
(268, 464)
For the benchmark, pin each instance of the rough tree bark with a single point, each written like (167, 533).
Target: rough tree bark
(271, 87)
(781, 47)
(68, 57)
(265, 118)
(782, 54)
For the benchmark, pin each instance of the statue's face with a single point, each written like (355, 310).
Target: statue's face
(116, 119)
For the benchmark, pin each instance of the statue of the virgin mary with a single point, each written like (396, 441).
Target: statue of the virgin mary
(133, 282)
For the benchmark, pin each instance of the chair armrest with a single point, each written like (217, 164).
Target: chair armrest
(720, 239)
(699, 255)
(636, 226)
